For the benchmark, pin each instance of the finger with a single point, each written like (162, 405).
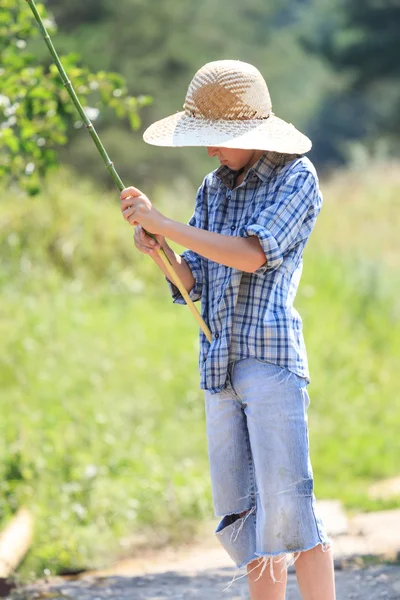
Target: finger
(127, 202)
(129, 215)
(132, 220)
(130, 191)
(146, 239)
(128, 212)
(139, 239)
(145, 249)
(132, 217)
(141, 247)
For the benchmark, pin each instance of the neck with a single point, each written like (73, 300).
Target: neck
(253, 159)
(257, 154)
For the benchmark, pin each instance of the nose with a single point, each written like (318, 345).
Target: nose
(212, 150)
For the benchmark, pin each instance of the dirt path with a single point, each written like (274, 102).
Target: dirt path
(203, 571)
(373, 583)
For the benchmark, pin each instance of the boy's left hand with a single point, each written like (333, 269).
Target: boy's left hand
(137, 209)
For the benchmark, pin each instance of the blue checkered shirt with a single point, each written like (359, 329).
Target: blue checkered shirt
(252, 314)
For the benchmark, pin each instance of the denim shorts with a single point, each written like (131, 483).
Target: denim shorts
(260, 465)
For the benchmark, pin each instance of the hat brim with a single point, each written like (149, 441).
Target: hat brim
(272, 134)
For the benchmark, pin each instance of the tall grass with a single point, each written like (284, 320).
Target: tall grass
(102, 429)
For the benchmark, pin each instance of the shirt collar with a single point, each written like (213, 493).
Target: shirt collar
(263, 168)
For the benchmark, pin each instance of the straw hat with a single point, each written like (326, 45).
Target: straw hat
(228, 104)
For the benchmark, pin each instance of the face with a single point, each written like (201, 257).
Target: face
(234, 158)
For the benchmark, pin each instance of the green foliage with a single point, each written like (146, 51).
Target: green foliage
(35, 108)
(67, 233)
(370, 41)
(360, 40)
(94, 407)
(98, 369)
(102, 432)
(330, 65)
(158, 46)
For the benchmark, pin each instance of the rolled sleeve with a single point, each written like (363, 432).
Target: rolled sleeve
(279, 224)
(193, 261)
(269, 245)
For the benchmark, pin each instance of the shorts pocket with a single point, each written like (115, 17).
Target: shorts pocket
(274, 368)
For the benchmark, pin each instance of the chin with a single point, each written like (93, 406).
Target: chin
(226, 163)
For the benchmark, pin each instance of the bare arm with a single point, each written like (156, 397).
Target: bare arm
(244, 254)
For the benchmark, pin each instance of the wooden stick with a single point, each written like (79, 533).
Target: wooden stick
(110, 165)
(15, 541)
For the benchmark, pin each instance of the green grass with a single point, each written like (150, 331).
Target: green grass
(102, 431)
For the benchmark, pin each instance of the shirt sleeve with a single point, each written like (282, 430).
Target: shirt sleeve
(281, 223)
(193, 260)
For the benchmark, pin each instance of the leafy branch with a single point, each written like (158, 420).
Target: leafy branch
(35, 110)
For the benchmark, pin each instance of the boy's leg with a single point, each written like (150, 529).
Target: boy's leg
(261, 584)
(276, 403)
(314, 571)
(232, 475)
(315, 574)
(234, 491)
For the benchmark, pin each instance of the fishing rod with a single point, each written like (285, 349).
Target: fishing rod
(110, 165)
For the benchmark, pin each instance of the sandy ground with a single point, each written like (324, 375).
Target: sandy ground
(204, 571)
(372, 583)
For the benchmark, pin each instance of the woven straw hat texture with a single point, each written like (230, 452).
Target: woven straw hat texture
(228, 104)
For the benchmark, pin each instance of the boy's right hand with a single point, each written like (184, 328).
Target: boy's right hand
(144, 243)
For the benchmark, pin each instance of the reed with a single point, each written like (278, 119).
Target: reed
(110, 165)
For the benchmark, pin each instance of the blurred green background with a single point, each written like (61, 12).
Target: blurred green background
(102, 432)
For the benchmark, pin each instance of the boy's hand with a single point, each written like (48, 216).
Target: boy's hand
(138, 210)
(144, 243)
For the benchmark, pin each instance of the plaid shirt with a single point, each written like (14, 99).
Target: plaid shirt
(252, 314)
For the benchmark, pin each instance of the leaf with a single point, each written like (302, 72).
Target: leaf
(134, 120)
(8, 138)
(35, 104)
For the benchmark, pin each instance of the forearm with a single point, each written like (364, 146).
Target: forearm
(180, 266)
(244, 254)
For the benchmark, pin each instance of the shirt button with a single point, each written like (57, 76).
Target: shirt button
(216, 335)
(233, 227)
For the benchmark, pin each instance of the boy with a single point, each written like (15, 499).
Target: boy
(252, 219)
